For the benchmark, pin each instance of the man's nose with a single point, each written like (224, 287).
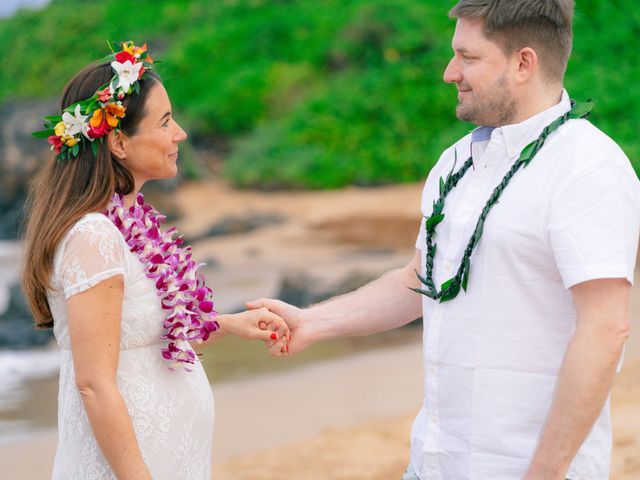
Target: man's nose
(452, 74)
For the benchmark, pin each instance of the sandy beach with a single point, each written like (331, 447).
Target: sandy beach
(340, 419)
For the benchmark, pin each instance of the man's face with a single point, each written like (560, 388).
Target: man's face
(480, 70)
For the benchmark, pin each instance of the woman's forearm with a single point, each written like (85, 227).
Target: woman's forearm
(113, 429)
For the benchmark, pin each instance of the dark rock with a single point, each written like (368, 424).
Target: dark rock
(20, 155)
(298, 289)
(301, 290)
(16, 325)
(233, 225)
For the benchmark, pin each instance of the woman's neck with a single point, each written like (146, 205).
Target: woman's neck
(130, 198)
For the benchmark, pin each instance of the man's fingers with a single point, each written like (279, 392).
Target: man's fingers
(258, 303)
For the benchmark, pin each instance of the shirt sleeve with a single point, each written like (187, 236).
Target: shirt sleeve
(92, 252)
(594, 225)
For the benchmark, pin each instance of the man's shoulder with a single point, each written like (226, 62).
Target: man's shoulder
(584, 147)
(583, 136)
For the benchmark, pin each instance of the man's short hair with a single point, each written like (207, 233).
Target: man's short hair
(544, 25)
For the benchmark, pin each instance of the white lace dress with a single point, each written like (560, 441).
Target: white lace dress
(172, 411)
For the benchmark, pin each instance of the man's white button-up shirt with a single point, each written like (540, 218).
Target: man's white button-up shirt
(492, 355)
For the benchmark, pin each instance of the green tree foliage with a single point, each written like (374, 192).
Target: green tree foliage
(311, 93)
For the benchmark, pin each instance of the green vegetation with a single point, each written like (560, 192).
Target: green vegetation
(311, 93)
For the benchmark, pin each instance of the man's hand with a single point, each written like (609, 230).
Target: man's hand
(299, 327)
(255, 324)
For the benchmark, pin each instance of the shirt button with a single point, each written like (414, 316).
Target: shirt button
(433, 419)
(431, 369)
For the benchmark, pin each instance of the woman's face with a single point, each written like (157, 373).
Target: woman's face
(152, 152)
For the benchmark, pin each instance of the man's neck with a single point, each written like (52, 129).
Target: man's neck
(537, 101)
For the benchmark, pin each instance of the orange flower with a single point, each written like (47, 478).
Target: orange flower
(111, 112)
(137, 51)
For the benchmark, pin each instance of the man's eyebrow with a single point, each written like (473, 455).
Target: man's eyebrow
(167, 114)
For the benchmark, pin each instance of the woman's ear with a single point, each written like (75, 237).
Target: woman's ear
(117, 142)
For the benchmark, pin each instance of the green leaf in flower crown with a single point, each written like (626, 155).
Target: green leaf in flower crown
(43, 133)
(441, 185)
(581, 110)
(53, 118)
(432, 221)
(75, 149)
(136, 87)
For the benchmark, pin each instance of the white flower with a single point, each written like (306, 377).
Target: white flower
(127, 72)
(76, 123)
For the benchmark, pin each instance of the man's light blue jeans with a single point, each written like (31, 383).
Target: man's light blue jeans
(410, 474)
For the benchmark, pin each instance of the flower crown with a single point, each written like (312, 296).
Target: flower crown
(83, 122)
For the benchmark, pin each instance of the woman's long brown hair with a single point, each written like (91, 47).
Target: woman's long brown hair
(63, 191)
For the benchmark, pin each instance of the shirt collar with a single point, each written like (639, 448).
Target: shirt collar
(519, 135)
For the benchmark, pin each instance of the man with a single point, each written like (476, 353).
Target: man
(518, 368)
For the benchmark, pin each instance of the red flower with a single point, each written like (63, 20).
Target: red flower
(142, 70)
(123, 56)
(55, 142)
(99, 131)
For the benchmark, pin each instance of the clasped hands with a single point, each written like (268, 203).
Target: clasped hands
(282, 323)
(282, 327)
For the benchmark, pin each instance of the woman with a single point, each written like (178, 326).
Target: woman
(124, 298)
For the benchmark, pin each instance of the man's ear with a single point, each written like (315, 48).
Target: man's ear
(527, 64)
(117, 142)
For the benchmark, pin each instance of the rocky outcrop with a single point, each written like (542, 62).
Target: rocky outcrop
(20, 155)
(301, 290)
(16, 326)
(233, 225)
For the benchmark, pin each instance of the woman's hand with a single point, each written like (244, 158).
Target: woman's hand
(257, 324)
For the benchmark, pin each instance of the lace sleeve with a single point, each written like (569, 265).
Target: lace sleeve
(91, 252)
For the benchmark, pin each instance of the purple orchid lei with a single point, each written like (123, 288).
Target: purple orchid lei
(183, 292)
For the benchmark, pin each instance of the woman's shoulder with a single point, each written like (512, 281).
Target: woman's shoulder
(92, 223)
(90, 231)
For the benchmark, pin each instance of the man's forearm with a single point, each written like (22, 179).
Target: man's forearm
(584, 382)
(383, 304)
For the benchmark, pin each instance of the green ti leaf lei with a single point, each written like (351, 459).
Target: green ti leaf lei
(450, 289)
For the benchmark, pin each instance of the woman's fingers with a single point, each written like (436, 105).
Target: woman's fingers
(279, 347)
